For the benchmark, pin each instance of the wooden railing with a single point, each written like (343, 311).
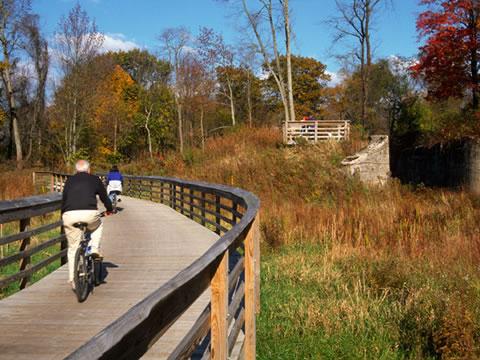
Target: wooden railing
(317, 130)
(230, 267)
(18, 218)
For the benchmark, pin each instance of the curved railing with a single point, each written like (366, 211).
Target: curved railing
(230, 267)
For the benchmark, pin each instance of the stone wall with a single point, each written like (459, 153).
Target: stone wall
(455, 164)
(371, 164)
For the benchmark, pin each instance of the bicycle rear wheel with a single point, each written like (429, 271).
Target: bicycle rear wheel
(81, 276)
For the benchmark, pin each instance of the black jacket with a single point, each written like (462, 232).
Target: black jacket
(80, 193)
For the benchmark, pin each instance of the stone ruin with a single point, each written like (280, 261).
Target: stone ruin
(371, 164)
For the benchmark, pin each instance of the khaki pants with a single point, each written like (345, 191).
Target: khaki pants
(95, 227)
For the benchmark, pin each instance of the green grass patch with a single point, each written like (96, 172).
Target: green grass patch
(13, 248)
(327, 303)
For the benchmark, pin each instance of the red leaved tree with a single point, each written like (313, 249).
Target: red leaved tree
(449, 59)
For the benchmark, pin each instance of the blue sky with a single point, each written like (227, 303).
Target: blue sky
(129, 23)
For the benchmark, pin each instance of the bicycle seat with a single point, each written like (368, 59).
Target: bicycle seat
(80, 225)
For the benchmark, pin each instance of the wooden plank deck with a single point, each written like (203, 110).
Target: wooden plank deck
(144, 246)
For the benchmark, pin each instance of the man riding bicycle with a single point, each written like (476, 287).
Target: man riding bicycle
(79, 204)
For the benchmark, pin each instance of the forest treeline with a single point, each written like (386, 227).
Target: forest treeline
(63, 97)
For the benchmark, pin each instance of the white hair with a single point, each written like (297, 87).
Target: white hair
(82, 166)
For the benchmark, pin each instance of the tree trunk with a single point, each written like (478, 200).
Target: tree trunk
(283, 91)
(277, 76)
(368, 49)
(202, 130)
(286, 16)
(474, 62)
(74, 126)
(249, 99)
(13, 113)
(180, 125)
(147, 128)
(115, 128)
(232, 104)
(31, 134)
(364, 85)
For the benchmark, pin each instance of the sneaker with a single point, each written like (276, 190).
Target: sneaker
(72, 284)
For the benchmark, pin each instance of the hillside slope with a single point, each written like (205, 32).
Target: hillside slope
(349, 271)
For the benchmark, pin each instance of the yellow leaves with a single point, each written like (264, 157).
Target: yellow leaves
(111, 97)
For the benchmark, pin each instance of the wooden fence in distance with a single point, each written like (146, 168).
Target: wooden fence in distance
(317, 130)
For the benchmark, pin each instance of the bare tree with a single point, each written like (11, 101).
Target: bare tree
(355, 22)
(36, 46)
(11, 14)
(269, 49)
(248, 62)
(288, 55)
(174, 43)
(218, 57)
(77, 42)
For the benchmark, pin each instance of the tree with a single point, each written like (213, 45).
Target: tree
(271, 56)
(77, 43)
(386, 99)
(144, 68)
(84, 82)
(309, 80)
(156, 118)
(245, 87)
(12, 13)
(449, 60)
(174, 42)
(218, 58)
(355, 22)
(116, 103)
(36, 47)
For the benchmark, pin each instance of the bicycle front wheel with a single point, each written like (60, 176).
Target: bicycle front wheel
(80, 277)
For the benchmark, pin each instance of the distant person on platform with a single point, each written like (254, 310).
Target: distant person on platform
(79, 204)
(114, 183)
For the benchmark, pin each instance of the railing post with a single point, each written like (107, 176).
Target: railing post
(315, 136)
(203, 204)
(151, 190)
(162, 198)
(191, 204)
(182, 202)
(52, 181)
(25, 262)
(217, 210)
(234, 210)
(218, 317)
(172, 198)
(252, 288)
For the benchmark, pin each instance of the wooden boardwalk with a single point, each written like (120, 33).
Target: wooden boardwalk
(144, 246)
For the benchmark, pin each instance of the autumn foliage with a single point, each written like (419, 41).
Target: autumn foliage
(449, 59)
(116, 104)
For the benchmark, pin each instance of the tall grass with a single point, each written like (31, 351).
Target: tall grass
(15, 184)
(349, 271)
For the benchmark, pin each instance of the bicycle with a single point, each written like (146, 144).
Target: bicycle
(88, 269)
(114, 198)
